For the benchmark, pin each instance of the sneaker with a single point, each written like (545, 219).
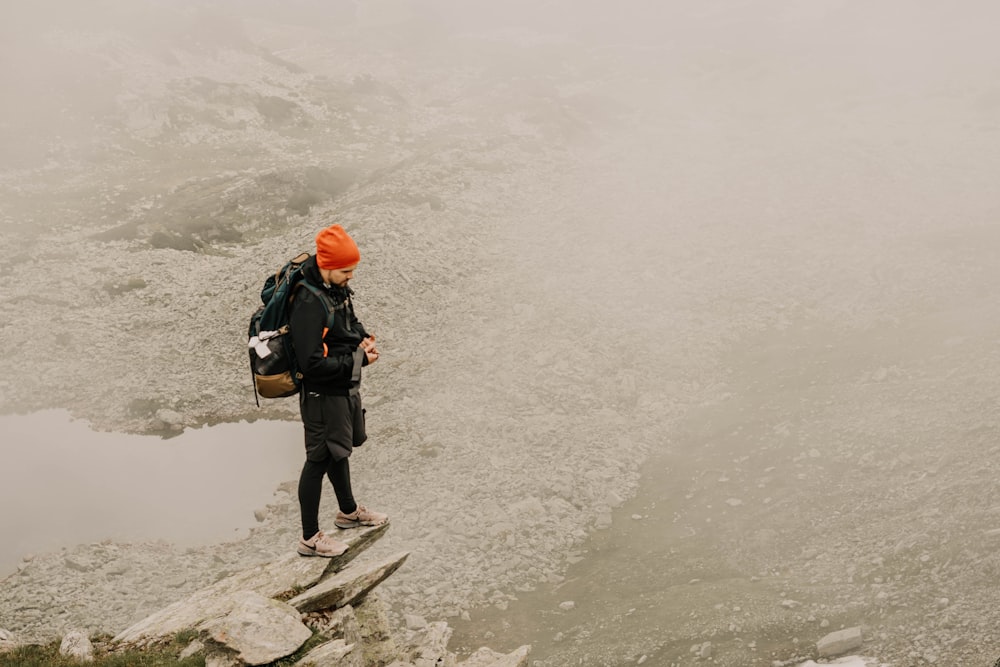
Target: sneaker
(321, 545)
(362, 516)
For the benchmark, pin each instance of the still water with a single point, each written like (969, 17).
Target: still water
(62, 483)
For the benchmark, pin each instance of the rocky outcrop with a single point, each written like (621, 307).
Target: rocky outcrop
(322, 608)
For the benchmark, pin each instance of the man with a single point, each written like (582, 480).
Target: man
(330, 352)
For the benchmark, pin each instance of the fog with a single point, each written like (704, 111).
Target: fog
(736, 258)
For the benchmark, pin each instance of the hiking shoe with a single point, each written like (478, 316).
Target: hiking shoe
(321, 545)
(362, 516)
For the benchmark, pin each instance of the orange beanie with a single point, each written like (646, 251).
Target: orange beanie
(335, 249)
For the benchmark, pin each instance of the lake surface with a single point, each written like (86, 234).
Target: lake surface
(62, 483)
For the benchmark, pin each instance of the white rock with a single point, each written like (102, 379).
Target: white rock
(7, 641)
(76, 645)
(259, 629)
(839, 642)
(170, 417)
(568, 605)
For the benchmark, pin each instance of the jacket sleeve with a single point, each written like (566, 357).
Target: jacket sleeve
(307, 319)
(357, 326)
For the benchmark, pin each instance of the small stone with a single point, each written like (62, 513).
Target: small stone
(170, 417)
(414, 622)
(734, 502)
(568, 605)
(260, 515)
(79, 563)
(637, 517)
(839, 642)
(116, 568)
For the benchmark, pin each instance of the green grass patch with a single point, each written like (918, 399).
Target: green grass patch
(47, 655)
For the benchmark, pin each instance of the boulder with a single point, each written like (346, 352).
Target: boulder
(76, 645)
(257, 629)
(347, 586)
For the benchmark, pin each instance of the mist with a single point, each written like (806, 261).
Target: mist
(703, 290)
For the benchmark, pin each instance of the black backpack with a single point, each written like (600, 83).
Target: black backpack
(272, 358)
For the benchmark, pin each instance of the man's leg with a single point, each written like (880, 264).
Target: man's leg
(310, 490)
(339, 473)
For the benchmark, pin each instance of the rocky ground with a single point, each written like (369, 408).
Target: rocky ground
(762, 324)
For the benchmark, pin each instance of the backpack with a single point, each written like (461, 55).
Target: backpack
(272, 359)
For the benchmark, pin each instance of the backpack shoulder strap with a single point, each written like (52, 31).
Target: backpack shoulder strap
(320, 295)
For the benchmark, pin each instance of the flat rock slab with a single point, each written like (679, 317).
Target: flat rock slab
(348, 585)
(330, 653)
(258, 629)
(275, 579)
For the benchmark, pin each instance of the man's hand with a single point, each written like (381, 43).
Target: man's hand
(368, 345)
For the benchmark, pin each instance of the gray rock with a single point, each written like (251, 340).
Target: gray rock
(433, 648)
(191, 649)
(170, 417)
(837, 643)
(330, 653)
(486, 657)
(348, 586)
(414, 622)
(259, 630)
(274, 579)
(79, 563)
(76, 645)
(482, 657)
(7, 641)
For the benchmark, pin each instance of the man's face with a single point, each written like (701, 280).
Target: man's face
(339, 277)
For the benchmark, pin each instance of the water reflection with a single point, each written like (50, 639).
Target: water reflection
(62, 483)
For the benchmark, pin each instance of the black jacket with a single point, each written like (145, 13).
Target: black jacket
(331, 361)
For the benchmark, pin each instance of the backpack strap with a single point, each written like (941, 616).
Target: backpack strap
(323, 299)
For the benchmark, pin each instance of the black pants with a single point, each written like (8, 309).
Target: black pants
(334, 426)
